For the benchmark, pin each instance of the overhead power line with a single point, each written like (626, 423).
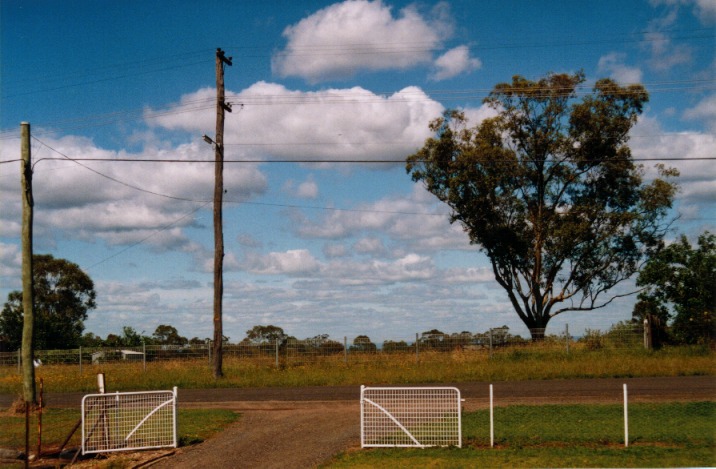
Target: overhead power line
(78, 161)
(291, 161)
(101, 80)
(205, 201)
(336, 98)
(126, 184)
(155, 231)
(129, 69)
(306, 160)
(318, 49)
(104, 72)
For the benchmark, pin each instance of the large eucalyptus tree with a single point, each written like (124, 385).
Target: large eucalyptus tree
(548, 189)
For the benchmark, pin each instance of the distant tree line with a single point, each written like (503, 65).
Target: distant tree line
(163, 335)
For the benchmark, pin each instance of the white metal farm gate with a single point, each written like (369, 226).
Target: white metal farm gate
(125, 421)
(410, 416)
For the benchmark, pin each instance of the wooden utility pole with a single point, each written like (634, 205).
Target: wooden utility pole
(28, 300)
(221, 107)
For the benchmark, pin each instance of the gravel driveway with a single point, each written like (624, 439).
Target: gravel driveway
(277, 435)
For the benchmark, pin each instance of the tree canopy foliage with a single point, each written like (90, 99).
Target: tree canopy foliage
(549, 191)
(63, 296)
(168, 335)
(163, 335)
(265, 334)
(680, 287)
(362, 343)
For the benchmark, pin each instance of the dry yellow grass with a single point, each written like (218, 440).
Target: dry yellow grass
(525, 362)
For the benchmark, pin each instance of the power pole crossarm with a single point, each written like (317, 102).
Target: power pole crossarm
(223, 58)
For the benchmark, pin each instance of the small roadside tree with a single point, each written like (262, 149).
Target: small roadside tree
(92, 340)
(549, 191)
(132, 338)
(432, 339)
(167, 335)
(391, 346)
(362, 343)
(63, 294)
(680, 287)
(266, 334)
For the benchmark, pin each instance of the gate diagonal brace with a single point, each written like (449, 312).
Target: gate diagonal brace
(382, 409)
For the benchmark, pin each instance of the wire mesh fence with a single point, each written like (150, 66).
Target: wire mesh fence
(423, 347)
(617, 419)
(615, 416)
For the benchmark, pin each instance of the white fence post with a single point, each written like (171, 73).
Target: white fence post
(492, 420)
(626, 418)
(362, 417)
(175, 391)
(100, 382)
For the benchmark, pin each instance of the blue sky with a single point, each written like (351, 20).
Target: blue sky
(332, 247)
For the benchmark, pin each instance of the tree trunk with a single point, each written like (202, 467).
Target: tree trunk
(538, 328)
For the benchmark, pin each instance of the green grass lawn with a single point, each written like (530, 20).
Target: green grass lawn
(194, 426)
(552, 456)
(661, 435)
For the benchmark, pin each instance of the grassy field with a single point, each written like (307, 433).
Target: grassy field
(547, 456)
(398, 369)
(195, 426)
(664, 435)
(661, 435)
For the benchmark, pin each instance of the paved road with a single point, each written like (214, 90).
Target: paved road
(688, 388)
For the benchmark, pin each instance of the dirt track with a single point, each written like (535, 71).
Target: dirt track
(304, 427)
(277, 435)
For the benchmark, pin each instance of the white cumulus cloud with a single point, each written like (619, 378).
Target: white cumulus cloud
(686, 151)
(342, 39)
(122, 202)
(454, 62)
(614, 65)
(705, 110)
(307, 189)
(291, 262)
(349, 123)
